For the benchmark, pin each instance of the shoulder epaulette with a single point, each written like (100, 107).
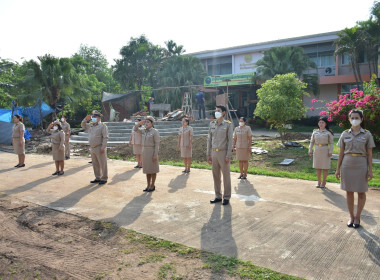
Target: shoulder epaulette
(346, 130)
(315, 129)
(228, 121)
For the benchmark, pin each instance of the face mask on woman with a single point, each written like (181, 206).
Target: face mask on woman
(218, 115)
(55, 127)
(62, 119)
(241, 123)
(355, 122)
(94, 119)
(136, 123)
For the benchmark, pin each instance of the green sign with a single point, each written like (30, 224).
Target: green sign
(231, 79)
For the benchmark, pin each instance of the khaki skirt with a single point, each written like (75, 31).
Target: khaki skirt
(242, 154)
(149, 167)
(19, 150)
(321, 159)
(57, 154)
(354, 174)
(137, 149)
(186, 152)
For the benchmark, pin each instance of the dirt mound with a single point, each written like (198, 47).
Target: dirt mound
(168, 149)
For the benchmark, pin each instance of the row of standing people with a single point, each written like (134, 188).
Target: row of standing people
(354, 167)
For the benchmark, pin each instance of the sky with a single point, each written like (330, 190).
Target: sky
(31, 28)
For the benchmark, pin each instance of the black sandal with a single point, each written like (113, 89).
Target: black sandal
(55, 173)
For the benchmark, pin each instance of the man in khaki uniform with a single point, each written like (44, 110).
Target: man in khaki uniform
(219, 150)
(67, 130)
(97, 138)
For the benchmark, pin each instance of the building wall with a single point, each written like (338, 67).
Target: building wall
(244, 63)
(328, 93)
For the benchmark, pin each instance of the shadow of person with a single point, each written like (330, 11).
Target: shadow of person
(39, 165)
(340, 201)
(372, 245)
(216, 236)
(123, 176)
(132, 211)
(8, 169)
(178, 183)
(246, 188)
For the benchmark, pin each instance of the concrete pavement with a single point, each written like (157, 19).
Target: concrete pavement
(284, 224)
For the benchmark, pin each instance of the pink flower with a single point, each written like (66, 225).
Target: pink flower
(314, 100)
(322, 113)
(343, 116)
(312, 108)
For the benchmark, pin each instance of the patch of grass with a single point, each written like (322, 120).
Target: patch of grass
(151, 259)
(165, 270)
(100, 276)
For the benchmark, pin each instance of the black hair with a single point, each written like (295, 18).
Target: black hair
(150, 122)
(187, 120)
(327, 124)
(138, 119)
(19, 117)
(243, 119)
(224, 109)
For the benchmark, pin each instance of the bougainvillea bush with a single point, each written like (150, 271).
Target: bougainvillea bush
(367, 100)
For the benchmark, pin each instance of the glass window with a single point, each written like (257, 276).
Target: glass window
(345, 59)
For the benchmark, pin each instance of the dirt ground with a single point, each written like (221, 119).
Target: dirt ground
(40, 243)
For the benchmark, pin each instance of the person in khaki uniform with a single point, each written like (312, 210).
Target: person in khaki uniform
(219, 150)
(354, 166)
(97, 138)
(18, 141)
(136, 141)
(242, 144)
(185, 140)
(323, 140)
(151, 144)
(58, 146)
(67, 130)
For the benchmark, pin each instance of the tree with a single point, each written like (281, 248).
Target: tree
(283, 60)
(280, 101)
(173, 49)
(51, 78)
(139, 65)
(180, 71)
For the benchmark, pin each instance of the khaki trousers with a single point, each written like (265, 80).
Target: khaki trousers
(67, 148)
(99, 163)
(219, 166)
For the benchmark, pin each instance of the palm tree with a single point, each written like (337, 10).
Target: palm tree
(51, 78)
(173, 48)
(351, 43)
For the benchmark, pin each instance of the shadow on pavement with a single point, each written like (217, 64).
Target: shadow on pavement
(178, 183)
(372, 245)
(246, 188)
(117, 178)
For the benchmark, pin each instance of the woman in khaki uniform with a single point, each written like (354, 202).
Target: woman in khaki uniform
(67, 130)
(185, 140)
(136, 141)
(18, 141)
(242, 146)
(355, 164)
(151, 143)
(58, 146)
(323, 140)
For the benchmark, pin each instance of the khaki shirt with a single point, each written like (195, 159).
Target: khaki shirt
(18, 128)
(242, 135)
(323, 138)
(150, 137)
(356, 144)
(97, 134)
(185, 133)
(66, 128)
(136, 138)
(57, 137)
(220, 136)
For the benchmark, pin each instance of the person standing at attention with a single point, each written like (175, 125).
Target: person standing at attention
(219, 150)
(57, 146)
(151, 144)
(67, 130)
(136, 141)
(185, 140)
(201, 104)
(323, 140)
(354, 166)
(242, 144)
(18, 141)
(97, 138)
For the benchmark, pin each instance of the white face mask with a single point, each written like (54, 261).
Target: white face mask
(55, 127)
(218, 115)
(241, 123)
(136, 123)
(62, 119)
(94, 119)
(355, 122)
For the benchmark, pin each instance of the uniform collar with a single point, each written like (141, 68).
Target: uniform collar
(362, 130)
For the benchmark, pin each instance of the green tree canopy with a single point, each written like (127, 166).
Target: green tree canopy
(280, 101)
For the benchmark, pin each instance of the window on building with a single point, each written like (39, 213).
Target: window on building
(321, 54)
(346, 88)
(362, 58)
(219, 65)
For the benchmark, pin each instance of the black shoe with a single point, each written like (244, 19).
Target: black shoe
(240, 177)
(61, 173)
(215, 200)
(102, 182)
(226, 201)
(244, 178)
(152, 189)
(136, 166)
(67, 157)
(140, 166)
(188, 171)
(17, 165)
(95, 181)
(356, 225)
(184, 171)
(90, 162)
(55, 173)
(350, 224)
(146, 189)
(20, 165)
